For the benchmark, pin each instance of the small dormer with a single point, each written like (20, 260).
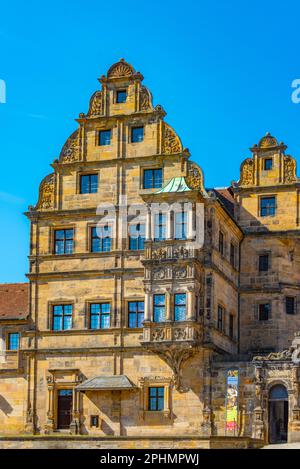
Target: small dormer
(269, 165)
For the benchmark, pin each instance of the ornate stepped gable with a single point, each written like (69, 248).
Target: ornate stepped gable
(46, 193)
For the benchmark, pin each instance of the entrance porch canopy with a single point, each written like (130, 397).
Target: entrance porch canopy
(106, 383)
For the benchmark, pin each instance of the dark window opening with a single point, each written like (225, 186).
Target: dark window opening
(101, 237)
(220, 323)
(231, 326)
(159, 313)
(232, 254)
(263, 312)
(99, 315)
(135, 314)
(63, 240)
(290, 305)
(136, 236)
(137, 134)
(268, 164)
(62, 317)
(121, 96)
(95, 421)
(88, 183)
(263, 263)
(267, 206)
(13, 341)
(152, 178)
(221, 243)
(180, 307)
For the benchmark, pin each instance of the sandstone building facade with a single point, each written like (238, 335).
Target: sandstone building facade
(147, 290)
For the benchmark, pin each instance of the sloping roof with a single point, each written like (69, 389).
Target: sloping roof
(14, 300)
(106, 383)
(177, 184)
(225, 195)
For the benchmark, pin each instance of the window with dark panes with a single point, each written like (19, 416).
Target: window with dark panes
(263, 262)
(121, 96)
(62, 317)
(88, 183)
(267, 206)
(159, 312)
(221, 242)
(99, 315)
(156, 398)
(104, 137)
(180, 225)
(268, 164)
(264, 312)
(231, 326)
(101, 238)
(180, 307)
(220, 322)
(137, 134)
(136, 236)
(13, 341)
(290, 305)
(153, 178)
(94, 421)
(63, 241)
(135, 313)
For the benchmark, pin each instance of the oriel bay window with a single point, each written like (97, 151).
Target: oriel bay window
(63, 241)
(159, 310)
(62, 317)
(135, 313)
(101, 237)
(136, 236)
(180, 225)
(160, 223)
(99, 315)
(180, 307)
(156, 398)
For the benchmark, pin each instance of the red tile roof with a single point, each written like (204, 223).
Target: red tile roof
(225, 195)
(14, 300)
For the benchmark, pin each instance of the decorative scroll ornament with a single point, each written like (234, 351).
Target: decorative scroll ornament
(171, 141)
(71, 149)
(120, 69)
(96, 104)
(46, 195)
(289, 169)
(145, 99)
(159, 274)
(273, 356)
(247, 173)
(194, 178)
(180, 272)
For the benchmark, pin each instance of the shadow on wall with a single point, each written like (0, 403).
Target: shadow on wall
(5, 405)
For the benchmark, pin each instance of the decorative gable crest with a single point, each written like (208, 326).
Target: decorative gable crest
(145, 99)
(46, 193)
(71, 149)
(194, 178)
(120, 69)
(247, 173)
(171, 141)
(96, 104)
(289, 169)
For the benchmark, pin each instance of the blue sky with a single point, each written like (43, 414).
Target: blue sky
(222, 70)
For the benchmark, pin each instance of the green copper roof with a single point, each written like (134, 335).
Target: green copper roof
(174, 185)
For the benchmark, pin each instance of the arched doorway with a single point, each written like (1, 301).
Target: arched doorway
(278, 414)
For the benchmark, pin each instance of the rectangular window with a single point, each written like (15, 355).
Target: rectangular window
(136, 236)
(231, 326)
(13, 341)
(135, 313)
(267, 206)
(121, 96)
(99, 316)
(153, 178)
(104, 137)
(220, 318)
(180, 307)
(290, 305)
(156, 398)
(63, 240)
(137, 134)
(88, 183)
(263, 312)
(62, 317)
(232, 254)
(94, 421)
(160, 227)
(180, 225)
(159, 313)
(221, 243)
(268, 164)
(263, 263)
(101, 238)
